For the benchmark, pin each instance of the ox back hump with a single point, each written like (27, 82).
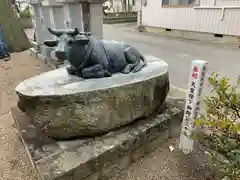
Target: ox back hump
(115, 54)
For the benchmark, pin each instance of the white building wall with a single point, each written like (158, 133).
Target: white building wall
(191, 19)
(118, 5)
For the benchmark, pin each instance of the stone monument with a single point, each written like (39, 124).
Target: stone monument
(108, 85)
(105, 111)
(36, 7)
(86, 15)
(61, 14)
(46, 13)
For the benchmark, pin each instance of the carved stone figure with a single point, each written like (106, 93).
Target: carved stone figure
(94, 58)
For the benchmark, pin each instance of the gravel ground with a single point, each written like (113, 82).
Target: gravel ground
(163, 164)
(14, 164)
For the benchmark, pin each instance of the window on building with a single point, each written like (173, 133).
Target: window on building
(133, 2)
(179, 2)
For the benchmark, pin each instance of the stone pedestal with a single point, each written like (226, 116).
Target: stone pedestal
(103, 156)
(66, 106)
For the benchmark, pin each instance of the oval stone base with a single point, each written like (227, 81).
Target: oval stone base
(65, 106)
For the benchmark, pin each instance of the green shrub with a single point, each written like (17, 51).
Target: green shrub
(218, 128)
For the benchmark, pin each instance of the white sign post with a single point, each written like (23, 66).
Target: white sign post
(195, 85)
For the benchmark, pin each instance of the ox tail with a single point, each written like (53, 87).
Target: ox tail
(143, 60)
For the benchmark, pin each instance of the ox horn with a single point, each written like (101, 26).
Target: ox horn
(85, 33)
(73, 33)
(55, 32)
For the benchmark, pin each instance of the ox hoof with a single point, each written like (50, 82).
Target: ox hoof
(138, 67)
(70, 70)
(127, 69)
(107, 74)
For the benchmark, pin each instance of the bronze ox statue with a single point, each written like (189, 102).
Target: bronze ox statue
(94, 58)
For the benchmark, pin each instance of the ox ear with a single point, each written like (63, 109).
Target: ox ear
(50, 43)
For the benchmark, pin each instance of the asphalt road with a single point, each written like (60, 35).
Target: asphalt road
(178, 53)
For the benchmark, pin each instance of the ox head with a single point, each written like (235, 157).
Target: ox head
(65, 41)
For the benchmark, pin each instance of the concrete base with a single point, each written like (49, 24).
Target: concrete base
(98, 158)
(199, 36)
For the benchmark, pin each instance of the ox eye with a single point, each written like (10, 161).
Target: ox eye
(70, 42)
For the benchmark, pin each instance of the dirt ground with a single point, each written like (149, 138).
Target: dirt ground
(14, 164)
